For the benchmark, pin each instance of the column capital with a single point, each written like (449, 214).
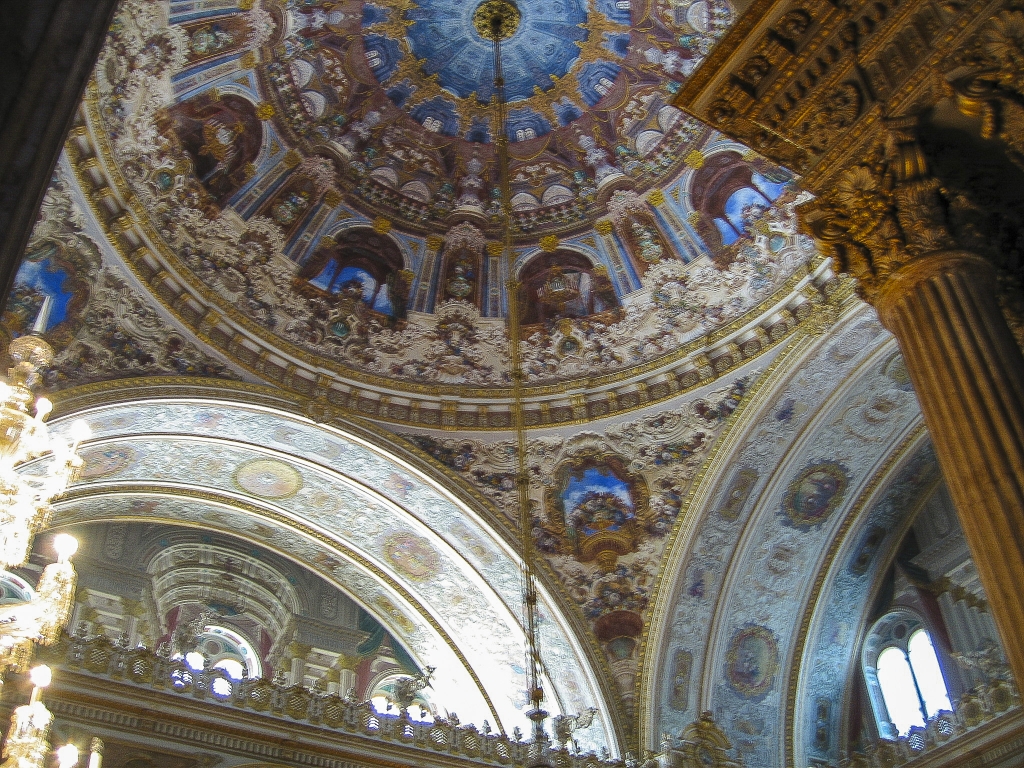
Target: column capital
(299, 650)
(883, 213)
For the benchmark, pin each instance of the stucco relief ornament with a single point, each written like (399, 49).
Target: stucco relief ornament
(261, 28)
(1003, 42)
(597, 158)
(361, 130)
(838, 111)
(858, 220)
(471, 184)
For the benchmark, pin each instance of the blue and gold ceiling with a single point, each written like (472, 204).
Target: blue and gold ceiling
(316, 180)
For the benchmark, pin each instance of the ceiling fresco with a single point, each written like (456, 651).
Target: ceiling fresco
(778, 492)
(277, 245)
(605, 504)
(269, 208)
(102, 324)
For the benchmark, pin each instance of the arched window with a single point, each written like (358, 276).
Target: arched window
(729, 193)
(904, 679)
(222, 650)
(563, 284)
(364, 266)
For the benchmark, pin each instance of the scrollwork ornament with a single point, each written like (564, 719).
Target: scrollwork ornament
(922, 217)
(1002, 42)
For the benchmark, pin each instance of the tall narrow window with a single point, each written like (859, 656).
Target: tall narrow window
(904, 679)
(925, 665)
(897, 682)
(911, 681)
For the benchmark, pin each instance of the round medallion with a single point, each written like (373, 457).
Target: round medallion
(106, 461)
(268, 479)
(412, 555)
(496, 19)
(752, 661)
(815, 493)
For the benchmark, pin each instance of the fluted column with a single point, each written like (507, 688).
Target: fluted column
(886, 220)
(968, 372)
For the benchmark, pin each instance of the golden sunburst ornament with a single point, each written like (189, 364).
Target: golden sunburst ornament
(497, 19)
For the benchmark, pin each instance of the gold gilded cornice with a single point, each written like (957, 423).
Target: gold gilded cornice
(807, 83)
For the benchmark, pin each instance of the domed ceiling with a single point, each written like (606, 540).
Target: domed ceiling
(311, 188)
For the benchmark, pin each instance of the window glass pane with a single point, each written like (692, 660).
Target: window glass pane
(897, 684)
(929, 675)
(233, 668)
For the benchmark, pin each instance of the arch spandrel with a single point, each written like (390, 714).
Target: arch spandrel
(431, 567)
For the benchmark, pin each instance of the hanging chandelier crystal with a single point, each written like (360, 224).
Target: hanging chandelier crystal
(25, 509)
(25, 497)
(28, 744)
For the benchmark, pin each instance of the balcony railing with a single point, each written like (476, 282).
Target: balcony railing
(975, 709)
(98, 656)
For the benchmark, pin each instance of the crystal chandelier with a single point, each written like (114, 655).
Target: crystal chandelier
(24, 510)
(27, 744)
(25, 498)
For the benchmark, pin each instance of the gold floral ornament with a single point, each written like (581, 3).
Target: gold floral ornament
(265, 110)
(861, 219)
(549, 243)
(381, 225)
(497, 19)
(1003, 42)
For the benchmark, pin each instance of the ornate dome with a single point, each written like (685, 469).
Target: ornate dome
(311, 185)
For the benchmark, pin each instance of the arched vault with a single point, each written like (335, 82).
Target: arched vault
(348, 505)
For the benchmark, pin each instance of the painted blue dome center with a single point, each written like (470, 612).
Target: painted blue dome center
(442, 37)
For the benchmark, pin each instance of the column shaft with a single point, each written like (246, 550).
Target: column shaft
(968, 372)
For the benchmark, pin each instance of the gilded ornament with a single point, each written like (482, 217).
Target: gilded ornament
(265, 110)
(549, 243)
(381, 225)
(1003, 42)
(695, 159)
(496, 19)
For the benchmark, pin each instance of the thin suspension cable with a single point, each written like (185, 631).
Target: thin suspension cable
(533, 666)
